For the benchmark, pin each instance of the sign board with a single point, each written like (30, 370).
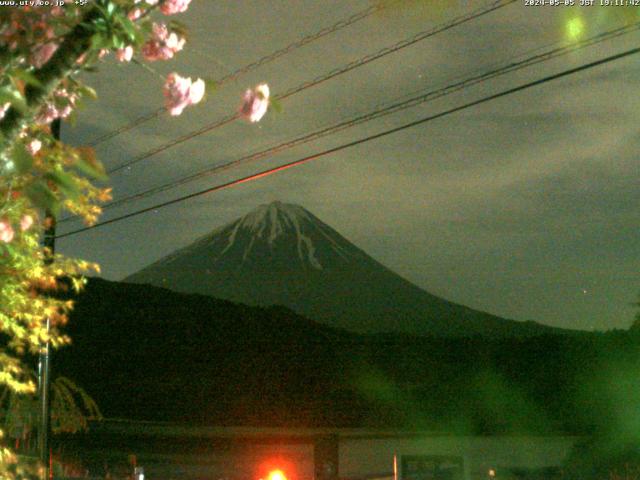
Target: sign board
(431, 467)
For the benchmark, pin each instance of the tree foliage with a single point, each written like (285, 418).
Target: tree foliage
(42, 51)
(71, 410)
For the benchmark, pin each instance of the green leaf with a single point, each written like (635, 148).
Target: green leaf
(210, 85)
(72, 119)
(8, 248)
(65, 183)
(42, 197)
(14, 97)
(99, 25)
(22, 159)
(85, 90)
(88, 164)
(117, 42)
(97, 42)
(111, 8)
(26, 77)
(129, 29)
(275, 105)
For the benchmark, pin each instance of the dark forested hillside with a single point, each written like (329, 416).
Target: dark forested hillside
(149, 353)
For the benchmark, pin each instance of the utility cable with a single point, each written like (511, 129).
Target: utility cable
(248, 68)
(380, 111)
(360, 141)
(321, 79)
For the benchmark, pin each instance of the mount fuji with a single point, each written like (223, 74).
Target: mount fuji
(281, 254)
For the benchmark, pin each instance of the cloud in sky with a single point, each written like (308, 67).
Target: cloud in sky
(524, 207)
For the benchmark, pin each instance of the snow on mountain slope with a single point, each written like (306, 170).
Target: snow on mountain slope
(282, 254)
(266, 232)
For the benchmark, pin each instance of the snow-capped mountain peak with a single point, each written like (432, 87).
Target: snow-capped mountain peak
(273, 219)
(282, 254)
(278, 220)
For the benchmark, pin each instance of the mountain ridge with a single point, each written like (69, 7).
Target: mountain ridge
(282, 254)
(148, 353)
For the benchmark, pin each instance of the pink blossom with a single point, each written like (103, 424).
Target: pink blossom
(125, 54)
(6, 231)
(34, 146)
(43, 54)
(101, 54)
(169, 7)
(196, 92)
(255, 103)
(25, 222)
(60, 106)
(47, 114)
(163, 44)
(180, 92)
(135, 14)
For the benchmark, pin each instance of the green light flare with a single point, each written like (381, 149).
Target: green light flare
(575, 28)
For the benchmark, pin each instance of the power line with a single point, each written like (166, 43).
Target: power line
(380, 111)
(323, 78)
(369, 138)
(303, 41)
(247, 68)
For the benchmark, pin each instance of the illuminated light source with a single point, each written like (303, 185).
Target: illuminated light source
(138, 473)
(575, 28)
(276, 475)
(395, 467)
(492, 473)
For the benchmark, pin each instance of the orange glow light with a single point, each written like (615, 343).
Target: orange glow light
(276, 475)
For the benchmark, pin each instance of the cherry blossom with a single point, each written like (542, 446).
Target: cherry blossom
(135, 14)
(6, 231)
(125, 54)
(25, 222)
(43, 53)
(170, 7)
(60, 106)
(180, 92)
(34, 146)
(255, 103)
(163, 44)
(47, 115)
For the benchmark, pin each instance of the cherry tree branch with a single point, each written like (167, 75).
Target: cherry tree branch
(61, 64)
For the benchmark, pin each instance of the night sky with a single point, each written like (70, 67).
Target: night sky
(525, 207)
